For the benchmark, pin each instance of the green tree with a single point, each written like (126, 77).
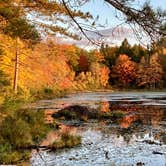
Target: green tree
(109, 54)
(125, 48)
(137, 52)
(15, 24)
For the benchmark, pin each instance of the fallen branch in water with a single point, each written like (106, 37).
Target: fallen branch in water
(150, 142)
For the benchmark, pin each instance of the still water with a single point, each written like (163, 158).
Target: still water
(137, 138)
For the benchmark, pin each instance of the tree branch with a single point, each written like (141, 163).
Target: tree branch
(78, 25)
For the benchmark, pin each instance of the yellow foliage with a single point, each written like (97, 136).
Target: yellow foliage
(49, 65)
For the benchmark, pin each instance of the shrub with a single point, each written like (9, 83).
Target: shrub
(12, 103)
(16, 132)
(49, 93)
(70, 140)
(66, 113)
(118, 114)
(20, 129)
(66, 141)
(35, 120)
(104, 115)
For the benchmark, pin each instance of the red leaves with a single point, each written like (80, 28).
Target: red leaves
(83, 63)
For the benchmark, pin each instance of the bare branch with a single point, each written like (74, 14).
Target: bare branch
(78, 25)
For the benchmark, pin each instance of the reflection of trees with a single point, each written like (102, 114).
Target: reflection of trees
(138, 121)
(104, 106)
(152, 115)
(148, 115)
(123, 105)
(127, 121)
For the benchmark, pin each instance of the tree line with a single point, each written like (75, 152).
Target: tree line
(49, 65)
(136, 66)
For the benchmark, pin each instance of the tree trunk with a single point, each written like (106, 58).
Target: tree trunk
(16, 69)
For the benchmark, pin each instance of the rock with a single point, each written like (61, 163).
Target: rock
(72, 158)
(76, 112)
(140, 164)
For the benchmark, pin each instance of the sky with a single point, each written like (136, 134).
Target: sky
(107, 18)
(107, 12)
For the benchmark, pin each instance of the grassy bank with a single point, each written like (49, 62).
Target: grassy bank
(20, 128)
(23, 129)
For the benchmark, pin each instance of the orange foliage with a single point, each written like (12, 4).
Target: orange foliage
(98, 56)
(105, 106)
(124, 70)
(96, 78)
(104, 75)
(150, 74)
(51, 65)
(128, 120)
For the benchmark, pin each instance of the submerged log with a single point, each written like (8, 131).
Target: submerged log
(155, 152)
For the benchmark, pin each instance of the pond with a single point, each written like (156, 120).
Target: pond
(139, 138)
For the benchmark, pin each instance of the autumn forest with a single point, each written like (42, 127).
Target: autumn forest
(50, 66)
(42, 78)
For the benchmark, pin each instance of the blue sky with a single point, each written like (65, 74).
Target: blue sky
(107, 12)
(107, 15)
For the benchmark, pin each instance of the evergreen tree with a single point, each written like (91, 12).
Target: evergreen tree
(125, 48)
(22, 16)
(137, 53)
(109, 54)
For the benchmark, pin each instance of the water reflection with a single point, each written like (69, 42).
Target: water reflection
(128, 120)
(132, 139)
(104, 106)
(146, 115)
(140, 121)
